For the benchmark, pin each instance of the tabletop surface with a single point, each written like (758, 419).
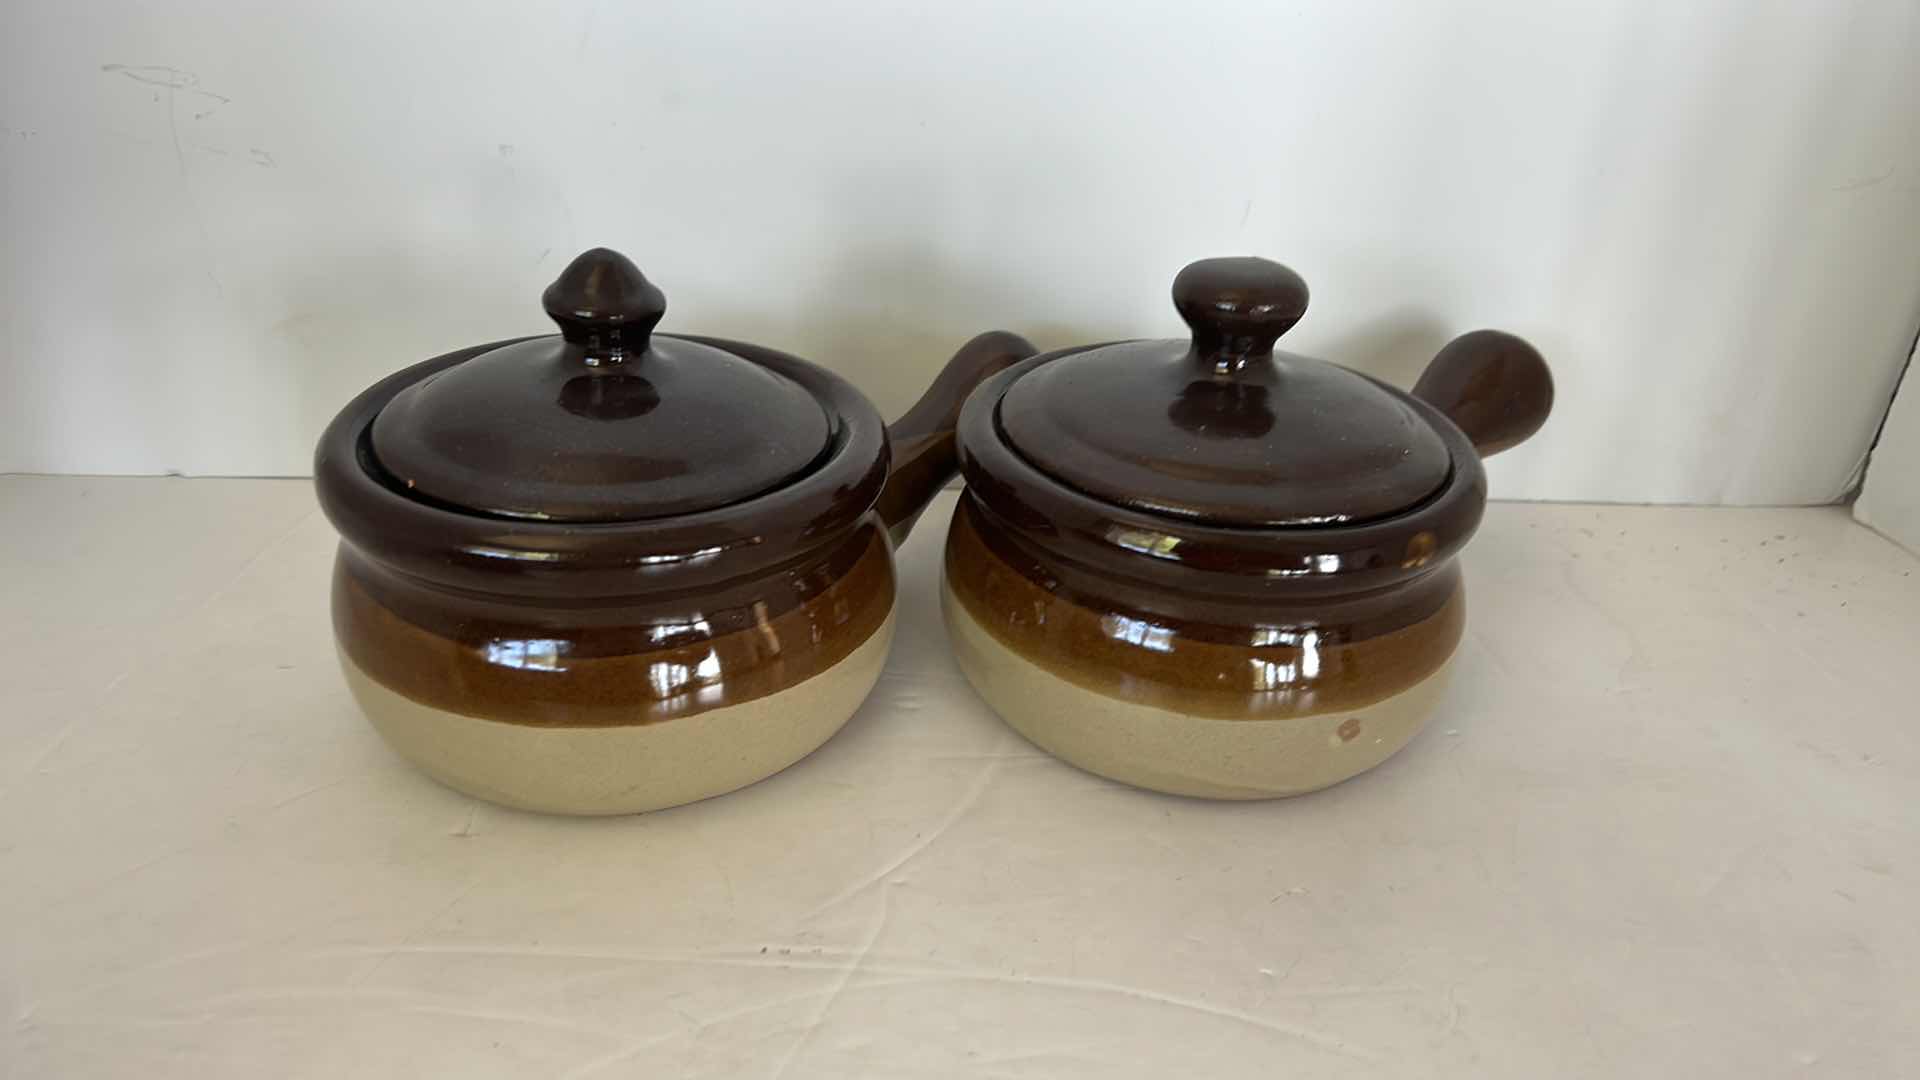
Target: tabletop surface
(1666, 823)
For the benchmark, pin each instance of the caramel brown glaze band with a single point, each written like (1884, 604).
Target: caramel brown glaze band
(1277, 660)
(548, 670)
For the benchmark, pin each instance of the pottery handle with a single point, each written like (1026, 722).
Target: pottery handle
(922, 443)
(1493, 385)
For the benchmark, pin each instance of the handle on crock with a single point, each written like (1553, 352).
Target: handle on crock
(1491, 384)
(925, 456)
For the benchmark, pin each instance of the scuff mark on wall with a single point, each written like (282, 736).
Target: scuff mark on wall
(169, 78)
(176, 81)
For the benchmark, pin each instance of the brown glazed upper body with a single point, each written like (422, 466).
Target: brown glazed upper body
(613, 528)
(1221, 530)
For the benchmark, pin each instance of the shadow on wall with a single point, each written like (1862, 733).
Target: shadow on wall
(1395, 348)
(888, 319)
(892, 279)
(353, 321)
(885, 317)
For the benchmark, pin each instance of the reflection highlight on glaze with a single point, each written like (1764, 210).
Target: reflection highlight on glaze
(695, 555)
(669, 679)
(528, 654)
(515, 556)
(1310, 565)
(666, 633)
(1158, 545)
(1278, 675)
(1138, 632)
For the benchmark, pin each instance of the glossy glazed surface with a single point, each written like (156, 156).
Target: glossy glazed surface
(1168, 749)
(624, 768)
(548, 560)
(1256, 701)
(1183, 568)
(1222, 429)
(922, 443)
(564, 581)
(605, 305)
(1253, 661)
(604, 422)
(533, 430)
(635, 663)
(1493, 386)
(721, 549)
(1176, 567)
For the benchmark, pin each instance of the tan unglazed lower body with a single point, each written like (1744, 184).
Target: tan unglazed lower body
(1164, 750)
(626, 769)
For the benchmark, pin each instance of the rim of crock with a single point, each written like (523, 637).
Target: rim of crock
(587, 561)
(1223, 562)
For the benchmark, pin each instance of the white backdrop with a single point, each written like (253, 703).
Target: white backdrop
(223, 219)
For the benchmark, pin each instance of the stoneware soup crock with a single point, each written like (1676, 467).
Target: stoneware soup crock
(1210, 568)
(615, 570)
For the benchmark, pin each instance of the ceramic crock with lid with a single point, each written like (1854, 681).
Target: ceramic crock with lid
(615, 570)
(1208, 567)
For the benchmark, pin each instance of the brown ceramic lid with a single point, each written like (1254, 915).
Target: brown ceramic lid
(607, 422)
(1223, 429)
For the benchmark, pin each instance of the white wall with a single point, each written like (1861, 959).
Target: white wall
(1890, 497)
(223, 219)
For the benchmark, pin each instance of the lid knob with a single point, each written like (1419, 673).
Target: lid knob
(1238, 308)
(604, 304)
